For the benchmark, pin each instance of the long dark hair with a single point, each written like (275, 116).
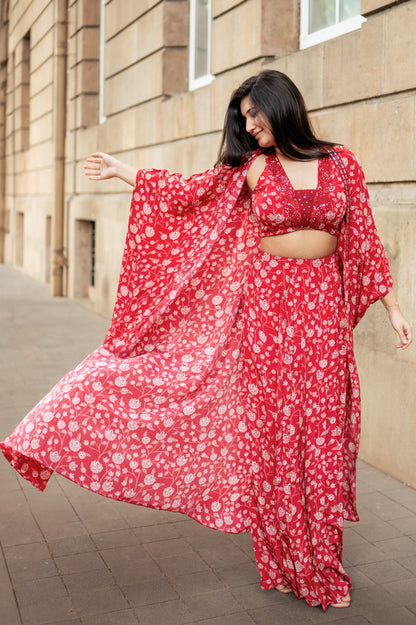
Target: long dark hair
(282, 104)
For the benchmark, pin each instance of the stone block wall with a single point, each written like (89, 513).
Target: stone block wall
(359, 87)
(26, 194)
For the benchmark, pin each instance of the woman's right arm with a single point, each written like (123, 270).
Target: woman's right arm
(102, 166)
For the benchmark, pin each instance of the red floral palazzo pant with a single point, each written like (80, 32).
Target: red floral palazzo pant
(296, 373)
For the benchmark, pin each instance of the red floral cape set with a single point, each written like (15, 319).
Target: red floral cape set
(189, 248)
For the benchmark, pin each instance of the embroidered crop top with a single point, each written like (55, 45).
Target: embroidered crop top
(278, 208)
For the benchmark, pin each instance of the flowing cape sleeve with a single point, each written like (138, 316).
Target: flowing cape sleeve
(155, 416)
(366, 278)
(367, 275)
(178, 229)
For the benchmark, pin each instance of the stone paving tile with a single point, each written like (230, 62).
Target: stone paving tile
(281, 614)
(243, 574)
(70, 529)
(365, 600)
(391, 616)
(223, 557)
(99, 515)
(377, 531)
(29, 561)
(131, 565)
(100, 601)
(404, 591)
(71, 545)
(189, 563)
(204, 537)
(37, 590)
(238, 618)
(48, 611)
(252, 596)
(112, 540)
(78, 562)
(358, 578)
(18, 527)
(168, 548)
(367, 516)
(352, 620)
(386, 571)
(397, 547)
(384, 507)
(375, 477)
(148, 593)
(404, 496)
(406, 525)
(89, 580)
(122, 617)
(363, 552)
(212, 604)
(196, 583)
(170, 612)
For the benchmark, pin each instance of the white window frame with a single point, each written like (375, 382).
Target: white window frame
(196, 83)
(339, 28)
(101, 81)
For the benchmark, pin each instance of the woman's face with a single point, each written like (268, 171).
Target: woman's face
(257, 124)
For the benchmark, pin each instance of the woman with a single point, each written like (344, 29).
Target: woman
(226, 386)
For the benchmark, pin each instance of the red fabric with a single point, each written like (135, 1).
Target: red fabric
(296, 370)
(279, 208)
(157, 416)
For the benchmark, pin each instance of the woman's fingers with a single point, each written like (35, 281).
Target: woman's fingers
(405, 334)
(100, 166)
(93, 167)
(402, 327)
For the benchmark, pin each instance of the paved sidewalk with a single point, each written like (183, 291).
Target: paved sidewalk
(71, 557)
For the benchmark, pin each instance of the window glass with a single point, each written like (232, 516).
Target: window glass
(199, 43)
(349, 8)
(322, 13)
(201, 38)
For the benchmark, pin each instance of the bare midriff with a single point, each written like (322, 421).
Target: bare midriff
(300, 244)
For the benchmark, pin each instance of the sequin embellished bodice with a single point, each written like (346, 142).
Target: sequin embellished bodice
(279, 208)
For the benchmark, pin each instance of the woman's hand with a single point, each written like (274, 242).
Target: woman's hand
(102, 166)
(398, 322)
(401, 326)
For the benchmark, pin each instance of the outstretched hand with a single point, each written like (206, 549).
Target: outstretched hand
(100, 166)
(402, 327)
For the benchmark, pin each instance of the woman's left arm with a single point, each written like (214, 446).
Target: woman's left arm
(398, 322)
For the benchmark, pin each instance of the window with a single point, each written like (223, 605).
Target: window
(199, 43)
(325, 19)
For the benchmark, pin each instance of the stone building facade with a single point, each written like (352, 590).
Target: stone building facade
(77, 76)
